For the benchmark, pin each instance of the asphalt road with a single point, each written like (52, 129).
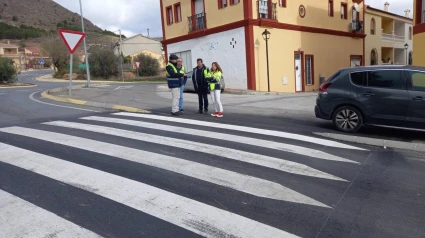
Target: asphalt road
(66, 172)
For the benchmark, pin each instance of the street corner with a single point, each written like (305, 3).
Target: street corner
(55, 95)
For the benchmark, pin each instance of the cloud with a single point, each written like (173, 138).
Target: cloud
(131, 16)
(396, 6)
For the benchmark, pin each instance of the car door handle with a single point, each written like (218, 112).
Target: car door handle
(418, 98)
(368, 94)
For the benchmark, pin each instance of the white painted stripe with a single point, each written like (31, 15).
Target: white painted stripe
(233, 180)
(184, 212)
(19, 218)
(257, 159)
(282, 134)
(228, 137)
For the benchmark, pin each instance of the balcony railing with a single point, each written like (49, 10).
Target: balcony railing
(266, 9)
(392, 37)
(197, 22)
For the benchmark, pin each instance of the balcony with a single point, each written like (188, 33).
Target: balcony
(267, 10)
(197, 22)
(392, 38)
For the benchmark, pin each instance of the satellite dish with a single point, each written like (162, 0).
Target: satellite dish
(357, 7)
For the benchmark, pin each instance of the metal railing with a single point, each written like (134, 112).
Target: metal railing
(266, 9)
(197, 22)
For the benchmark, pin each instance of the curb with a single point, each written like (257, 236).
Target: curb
(25, 86)
(47, 94)
(375, 142)
(93, 81)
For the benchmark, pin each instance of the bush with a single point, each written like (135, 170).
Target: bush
(149, 66)
(8, 71)
(103, 62)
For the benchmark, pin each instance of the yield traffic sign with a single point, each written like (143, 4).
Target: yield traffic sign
(72, 39)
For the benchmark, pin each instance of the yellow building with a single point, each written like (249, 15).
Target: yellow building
(389, 37)
(419, 32)
(309, 39)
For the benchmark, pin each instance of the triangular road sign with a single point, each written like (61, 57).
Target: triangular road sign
(72, 39)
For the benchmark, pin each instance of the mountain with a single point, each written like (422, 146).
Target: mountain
(29, 18)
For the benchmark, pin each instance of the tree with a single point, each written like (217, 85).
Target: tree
(149, 66)
(103, 62)
(53, 46)
(22, 45)
(8, 71)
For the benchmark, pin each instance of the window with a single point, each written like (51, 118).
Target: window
(372, 26)
(177, 13)
(385, 79)
(418, 80)
(359, 78)
(309, 69)
(222, 3)
(423, 12)
(355, 15)
(282, 3)
(169, 14)
(331, 8)
(343, 10)
(410, 33)
(233, 2)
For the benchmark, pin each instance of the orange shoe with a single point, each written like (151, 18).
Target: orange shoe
(220, 114)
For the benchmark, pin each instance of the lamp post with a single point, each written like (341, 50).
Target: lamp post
(406, 46)
(85, 47)
(266, 37)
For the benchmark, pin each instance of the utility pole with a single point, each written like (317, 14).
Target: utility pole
(85, 47)
(121, 56)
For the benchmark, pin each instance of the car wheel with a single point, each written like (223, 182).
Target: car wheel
(347, 119)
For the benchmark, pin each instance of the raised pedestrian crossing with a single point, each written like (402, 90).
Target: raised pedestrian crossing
(181, 171)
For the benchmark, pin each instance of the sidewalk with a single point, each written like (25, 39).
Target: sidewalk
(49, 78)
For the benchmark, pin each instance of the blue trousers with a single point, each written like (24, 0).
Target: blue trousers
(181, 97)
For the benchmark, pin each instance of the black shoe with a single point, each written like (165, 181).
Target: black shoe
(206, 112)
(175, 114)
(199, 112)
(181, 111)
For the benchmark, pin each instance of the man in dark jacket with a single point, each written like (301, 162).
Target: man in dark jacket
(174, 80)
(201, 86)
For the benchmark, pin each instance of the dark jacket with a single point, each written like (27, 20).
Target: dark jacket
(199, 82)
(172, 74)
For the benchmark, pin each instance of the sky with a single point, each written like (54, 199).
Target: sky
(136, 16)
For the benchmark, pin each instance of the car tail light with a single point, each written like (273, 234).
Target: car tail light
(324, 87)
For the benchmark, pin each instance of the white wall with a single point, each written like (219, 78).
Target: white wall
(218, 47)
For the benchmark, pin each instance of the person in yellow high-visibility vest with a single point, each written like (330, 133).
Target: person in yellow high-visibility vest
(213, 77)
(174, 80)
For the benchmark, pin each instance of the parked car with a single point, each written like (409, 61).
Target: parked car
(389, 96)
(189, 85)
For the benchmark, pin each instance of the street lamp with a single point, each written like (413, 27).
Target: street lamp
(85, 47)
(266, 37)
(406, 46)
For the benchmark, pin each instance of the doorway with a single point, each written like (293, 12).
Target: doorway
(299, 71)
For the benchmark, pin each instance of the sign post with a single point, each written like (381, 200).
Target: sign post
(138, 67)
(72, 40)
(42, 64)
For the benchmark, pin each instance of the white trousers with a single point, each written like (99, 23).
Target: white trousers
(215, 96)
(175, 92)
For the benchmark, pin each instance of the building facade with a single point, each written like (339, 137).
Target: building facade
(309, 39)
(419, 32)
(389, 37)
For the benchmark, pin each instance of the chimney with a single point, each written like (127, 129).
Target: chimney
(386, 7)
(407, 13)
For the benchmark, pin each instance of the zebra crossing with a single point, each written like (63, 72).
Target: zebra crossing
(206, 178)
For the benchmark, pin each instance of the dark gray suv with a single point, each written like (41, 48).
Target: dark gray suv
(388, 96)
